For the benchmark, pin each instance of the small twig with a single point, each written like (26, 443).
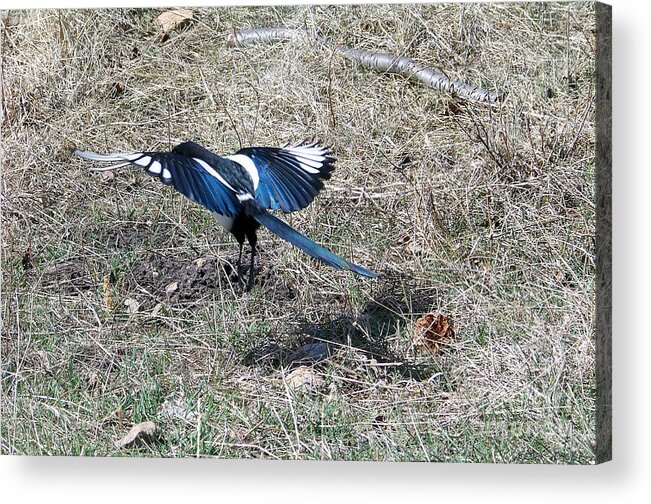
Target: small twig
(291, 409)
(584, 117)
(257, 112)
(253, 446)
(169, 124)
(198, 452)
(420, 439)
(333, 119)
(207, 88)
(221, 99)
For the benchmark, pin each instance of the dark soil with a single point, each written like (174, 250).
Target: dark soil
(181, 281)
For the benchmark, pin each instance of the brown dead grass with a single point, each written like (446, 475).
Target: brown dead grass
(483, 214)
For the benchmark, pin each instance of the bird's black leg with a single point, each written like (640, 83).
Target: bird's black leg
(252, 240)
(239, 260)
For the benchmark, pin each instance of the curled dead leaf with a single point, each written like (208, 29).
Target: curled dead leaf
(303, 377)
(27, 258)
(108, 299)
(171, 287)
(174, 407)
(117, 89)
(107, 176)
(132, 305)
(175, 18)
(433, 331)
(92, 379)
(138, 431)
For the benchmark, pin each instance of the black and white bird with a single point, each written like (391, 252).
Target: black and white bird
(240, 189)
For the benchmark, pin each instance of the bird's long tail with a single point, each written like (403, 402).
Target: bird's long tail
(286, 232)
(123, 159)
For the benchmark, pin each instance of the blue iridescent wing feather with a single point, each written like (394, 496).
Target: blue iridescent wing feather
(187, 175)
(290, 177)
(192, 180)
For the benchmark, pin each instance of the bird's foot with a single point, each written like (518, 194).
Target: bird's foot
(249, 283)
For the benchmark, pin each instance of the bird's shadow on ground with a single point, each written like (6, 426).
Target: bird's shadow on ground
(368, 333)
(396, 301)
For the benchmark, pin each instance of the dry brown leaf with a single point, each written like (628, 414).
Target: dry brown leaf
(174, 407)
(92, 379)
(137, 432)
(117, 89)
(107, 176)
(169, 288)
(108, 299)
(27, 258)
(132, 305)
(176, 18)
(302, 377)
(433, 331)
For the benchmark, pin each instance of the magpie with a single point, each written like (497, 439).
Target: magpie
(239, 189)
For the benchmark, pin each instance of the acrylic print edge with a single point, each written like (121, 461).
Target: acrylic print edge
(603, 242)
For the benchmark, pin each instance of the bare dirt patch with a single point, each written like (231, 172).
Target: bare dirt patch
(179, 281)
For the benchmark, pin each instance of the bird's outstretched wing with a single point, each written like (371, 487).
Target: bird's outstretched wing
(192, 177)
(288, 178)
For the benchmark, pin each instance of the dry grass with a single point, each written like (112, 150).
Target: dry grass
(485, 215)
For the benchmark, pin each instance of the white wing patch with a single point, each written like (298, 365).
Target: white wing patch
(143, 161)
(312, 163)
(244, 196)
(308, 151)
(247, 163)
(155, 168)
(212, 172)
(309, 157)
